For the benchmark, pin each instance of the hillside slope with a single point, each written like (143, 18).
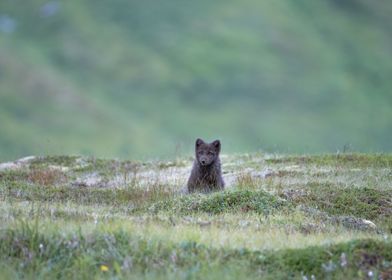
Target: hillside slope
(111, 78)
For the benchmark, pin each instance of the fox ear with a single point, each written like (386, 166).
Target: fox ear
(216, 144)
(199, 142)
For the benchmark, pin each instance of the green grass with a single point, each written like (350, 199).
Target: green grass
(259, 202)
(142, 78)
(77, 255)
(37, 193)
(362, 202)
(301, 218)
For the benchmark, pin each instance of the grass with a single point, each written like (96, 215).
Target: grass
(259, 202)
(129, 220)
(344, 160)
(89, 196)
(123, 253)
(362, 202)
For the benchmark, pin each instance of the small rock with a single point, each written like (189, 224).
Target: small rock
(369, 223)
(9, 166)
(355, 223)
(58, 168)
(26, 159)
(14, 165)
(89, 180)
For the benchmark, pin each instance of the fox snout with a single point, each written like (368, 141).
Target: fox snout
(203, 161)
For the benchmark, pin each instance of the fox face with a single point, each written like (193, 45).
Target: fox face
(207, 153)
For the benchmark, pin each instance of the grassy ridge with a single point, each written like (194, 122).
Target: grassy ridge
(280, 217)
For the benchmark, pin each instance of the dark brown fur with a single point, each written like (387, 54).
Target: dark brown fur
(206, 173)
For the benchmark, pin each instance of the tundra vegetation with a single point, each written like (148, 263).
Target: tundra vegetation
(280, 217)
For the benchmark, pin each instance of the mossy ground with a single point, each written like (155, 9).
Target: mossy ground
(280, 217)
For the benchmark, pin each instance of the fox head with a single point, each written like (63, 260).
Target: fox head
(207, 153)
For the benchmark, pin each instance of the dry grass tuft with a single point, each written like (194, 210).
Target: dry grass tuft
(246, 180)
(46, 177)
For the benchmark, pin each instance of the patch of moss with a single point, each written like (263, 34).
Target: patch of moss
(349, 260)
(368, 203)
(244, 200)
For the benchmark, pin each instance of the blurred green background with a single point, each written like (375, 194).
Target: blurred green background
(142, 79)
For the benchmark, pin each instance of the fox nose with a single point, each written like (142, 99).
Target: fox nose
(203, 161)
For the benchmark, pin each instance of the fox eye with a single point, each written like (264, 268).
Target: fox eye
(200, 152)
(210, 153)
